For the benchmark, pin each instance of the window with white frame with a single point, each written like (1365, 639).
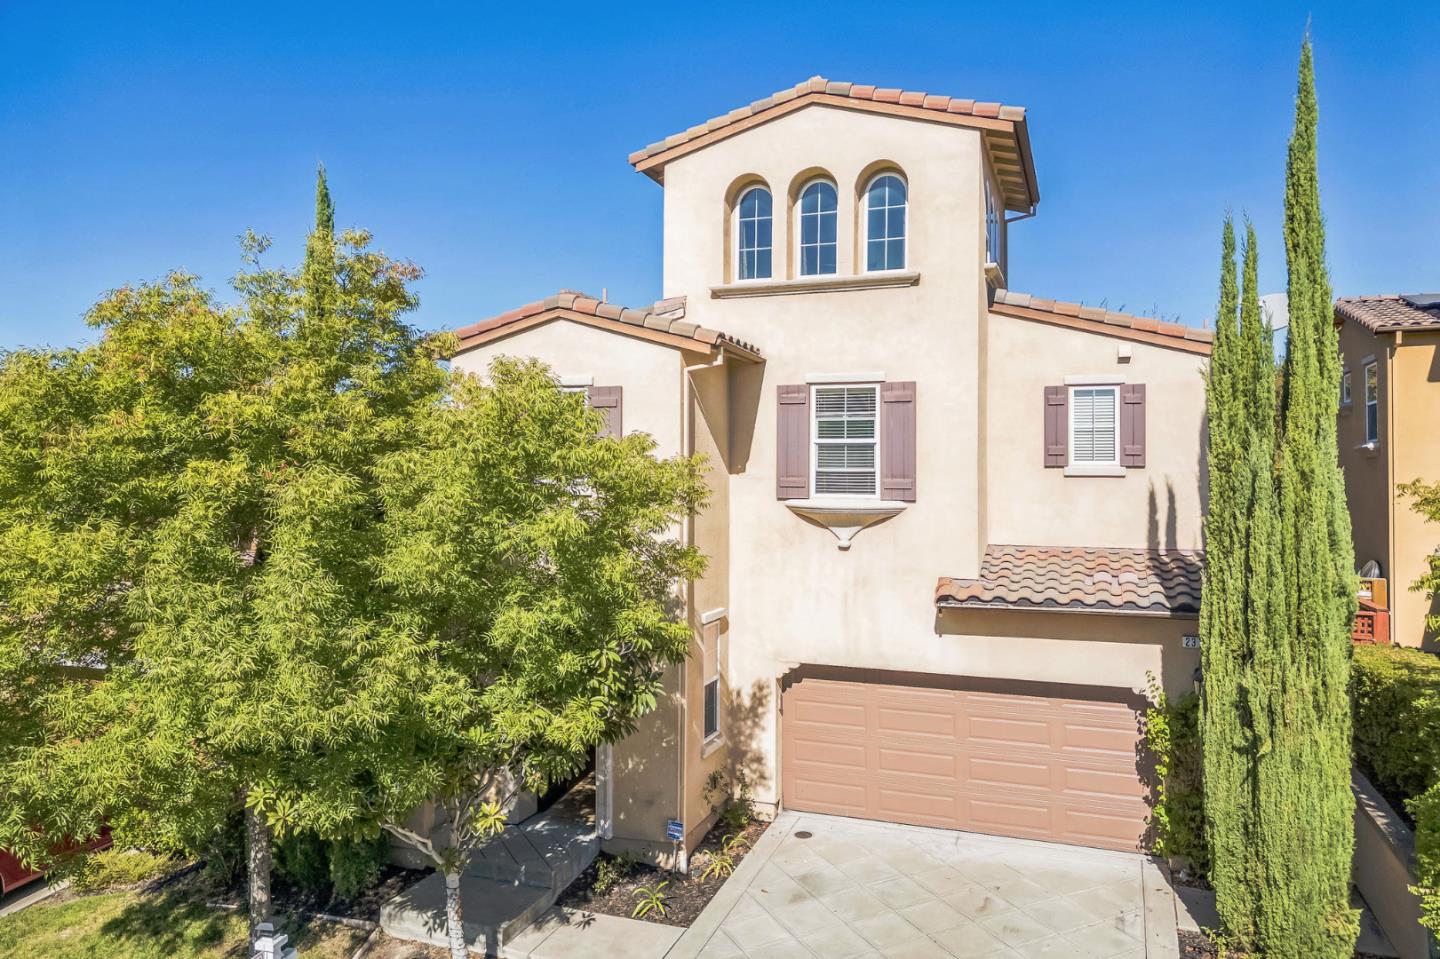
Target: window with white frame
(992, 226)
(711, 637)
(1345, 395)
(885, 212)
(1372, 403)
(819, 206)
(846, 440)
(1094, 425)
(753, 227)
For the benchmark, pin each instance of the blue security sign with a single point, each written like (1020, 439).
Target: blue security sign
(674, 830)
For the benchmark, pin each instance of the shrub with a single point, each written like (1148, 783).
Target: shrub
(1396, 696)
(1172, 735)
(612, 870)
(116, 868)
(355, 864)
(1426, 810)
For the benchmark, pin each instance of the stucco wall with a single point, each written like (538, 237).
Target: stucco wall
(1414, 391)
(1368, 484)
(1159, 506)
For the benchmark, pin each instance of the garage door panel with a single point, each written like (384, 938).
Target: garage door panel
(1001, 774)
(889, 721)
(1016, 764)
(939, 764)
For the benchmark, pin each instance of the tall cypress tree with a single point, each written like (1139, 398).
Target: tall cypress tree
(1224, 639)
(319, 269)
(1304, 839)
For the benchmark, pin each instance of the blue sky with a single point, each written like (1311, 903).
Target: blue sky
(488, 144)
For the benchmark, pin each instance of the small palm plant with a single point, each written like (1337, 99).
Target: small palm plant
(722, 863)
(652, 899)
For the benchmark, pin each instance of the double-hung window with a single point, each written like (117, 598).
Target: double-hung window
(992, 226)
(710, 636)
(886, 200)
(819, 206)
(753, 235)
(1372, 403)
(846, 440)
(1094, 425)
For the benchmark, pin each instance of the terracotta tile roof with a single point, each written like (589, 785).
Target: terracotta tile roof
(1024, 305)
(1387, 314)
(1082, 579)
(1006, 132)
(664, 317)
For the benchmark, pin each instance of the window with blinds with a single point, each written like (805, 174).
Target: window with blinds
(846, 440)
(1094, 425)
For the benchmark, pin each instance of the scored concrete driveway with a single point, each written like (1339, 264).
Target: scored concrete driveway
(852, 889)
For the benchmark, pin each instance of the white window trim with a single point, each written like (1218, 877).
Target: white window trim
(857, 379)
(1366, 367)
(800, 233)
(865, 221)
(735, 228)
(1091, 467)
(575, 382)
(815, 447)
(712, 642)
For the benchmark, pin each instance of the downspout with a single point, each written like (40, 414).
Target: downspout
(687, 444)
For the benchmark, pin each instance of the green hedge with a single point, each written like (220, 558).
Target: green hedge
(1396, 694)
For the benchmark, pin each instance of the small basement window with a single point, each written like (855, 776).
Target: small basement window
(846, 439)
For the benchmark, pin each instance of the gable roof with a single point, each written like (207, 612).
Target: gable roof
(1107, 322)
(662, 323)
(1003, 127)
(1390, 313)
(1081, 579)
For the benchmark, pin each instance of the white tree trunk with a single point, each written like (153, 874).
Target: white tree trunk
(454, 927)
(257, 867)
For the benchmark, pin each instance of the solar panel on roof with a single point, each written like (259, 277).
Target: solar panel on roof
(1422, 301)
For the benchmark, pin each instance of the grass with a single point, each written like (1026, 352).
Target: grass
(169, 925)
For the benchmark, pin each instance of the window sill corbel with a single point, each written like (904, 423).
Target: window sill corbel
(845, 517)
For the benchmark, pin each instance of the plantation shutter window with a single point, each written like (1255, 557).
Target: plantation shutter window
(1132, 425)
(1057, 426)
(608, 400)
(792, 442)
(897, 442)
(846, 439)
(1094, 426)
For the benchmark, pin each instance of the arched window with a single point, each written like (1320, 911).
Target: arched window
(753, 227)
(818, 208)
(885, 200)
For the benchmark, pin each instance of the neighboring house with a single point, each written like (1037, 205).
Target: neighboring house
(953, 529)
(1389, 431)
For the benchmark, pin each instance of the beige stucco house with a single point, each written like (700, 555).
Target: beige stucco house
(954, 528)
(1389, 411)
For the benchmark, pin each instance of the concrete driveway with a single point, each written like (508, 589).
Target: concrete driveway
(833, 888)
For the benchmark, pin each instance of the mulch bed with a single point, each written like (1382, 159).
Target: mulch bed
(1198, 946)
(365, 906)
(688, 895)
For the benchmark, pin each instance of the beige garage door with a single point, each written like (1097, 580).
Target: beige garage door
(1052, 763)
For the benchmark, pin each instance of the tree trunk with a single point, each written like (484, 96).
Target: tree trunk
(454, 927)
(257, 865)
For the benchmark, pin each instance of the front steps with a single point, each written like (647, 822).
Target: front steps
(511, 881)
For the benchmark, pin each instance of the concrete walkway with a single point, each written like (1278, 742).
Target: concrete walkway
(575, 934)
(834, 888)
(509, 884)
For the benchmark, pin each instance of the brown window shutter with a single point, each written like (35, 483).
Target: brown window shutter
(792, 442)
(609, 401)
(1132, 425)
(897, 441)
(1057, 426)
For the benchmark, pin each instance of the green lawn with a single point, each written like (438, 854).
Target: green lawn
(172, 925)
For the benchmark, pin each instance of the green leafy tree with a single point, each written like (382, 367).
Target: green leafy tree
(1304, 824)
(537, 565)
(190, 516)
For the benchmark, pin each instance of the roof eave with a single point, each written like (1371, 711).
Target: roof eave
(1085, 610)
